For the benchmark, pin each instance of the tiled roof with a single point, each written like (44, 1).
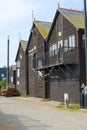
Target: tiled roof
(43, 27)
(74, 16)
(23, 44)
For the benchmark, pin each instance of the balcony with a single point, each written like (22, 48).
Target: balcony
(63, 55)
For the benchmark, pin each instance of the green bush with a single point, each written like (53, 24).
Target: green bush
(3, 84)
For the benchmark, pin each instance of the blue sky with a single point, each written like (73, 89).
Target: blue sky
(16, 18)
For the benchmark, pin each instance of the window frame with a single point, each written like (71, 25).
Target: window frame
(66, 47)
(72, 41)
(18, 72)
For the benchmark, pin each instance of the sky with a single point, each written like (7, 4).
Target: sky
(16, 21)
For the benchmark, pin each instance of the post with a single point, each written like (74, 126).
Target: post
(8, 61)
(85, 18)
(66, 100)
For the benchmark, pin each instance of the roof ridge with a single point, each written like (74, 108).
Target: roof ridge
(70, 9)
(23, 41)
(42, 21)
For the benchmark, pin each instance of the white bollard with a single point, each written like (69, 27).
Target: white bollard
(66, 99)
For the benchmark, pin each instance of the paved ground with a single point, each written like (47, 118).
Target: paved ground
(33, 114)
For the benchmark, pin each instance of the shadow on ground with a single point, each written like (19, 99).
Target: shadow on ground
(18, 122)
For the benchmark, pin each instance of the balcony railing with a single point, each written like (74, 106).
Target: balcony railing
(55, 57)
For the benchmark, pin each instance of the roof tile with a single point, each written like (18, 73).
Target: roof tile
(74, 16)
(43, 27)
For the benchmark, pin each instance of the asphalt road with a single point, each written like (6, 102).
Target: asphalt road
(33, 114)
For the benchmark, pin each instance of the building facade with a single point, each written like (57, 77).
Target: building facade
(21, 68)
(12, 76)
(64, 66)
(36, 48)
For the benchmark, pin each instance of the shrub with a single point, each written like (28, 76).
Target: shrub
(3, 83)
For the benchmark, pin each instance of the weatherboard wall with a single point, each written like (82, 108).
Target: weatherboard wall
(57, 88)
(36, 84)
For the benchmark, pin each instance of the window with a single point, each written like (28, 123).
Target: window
(72, 41)
(18, 72)
(53, 50)
(11, 79)
(18, 82)
(60, 44)
(39, 63)
(18, 64)
(50, 51)
(60, 50)
(34, 61)
(54, 46)
(65, 45)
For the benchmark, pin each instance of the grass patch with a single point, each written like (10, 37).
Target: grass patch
(61, 106)
(71, 107)
(74, 107)
(23, 95)
(46, 99)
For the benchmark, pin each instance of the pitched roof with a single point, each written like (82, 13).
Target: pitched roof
(43, 27)
(23, 44)
(76, 17)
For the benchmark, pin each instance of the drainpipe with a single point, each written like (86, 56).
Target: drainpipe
(26, 73)
(85, 18)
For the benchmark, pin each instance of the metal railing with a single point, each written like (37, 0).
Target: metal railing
(55, 57)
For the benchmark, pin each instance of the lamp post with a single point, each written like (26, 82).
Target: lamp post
(85, 18)
(7, 60)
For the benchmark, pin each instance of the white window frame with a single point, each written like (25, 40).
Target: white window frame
(72, 41)
(18, 82)
(18, 64)
(60, 44)
(53, 50)
(11, 79)
(65, 45)
(18, 72)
